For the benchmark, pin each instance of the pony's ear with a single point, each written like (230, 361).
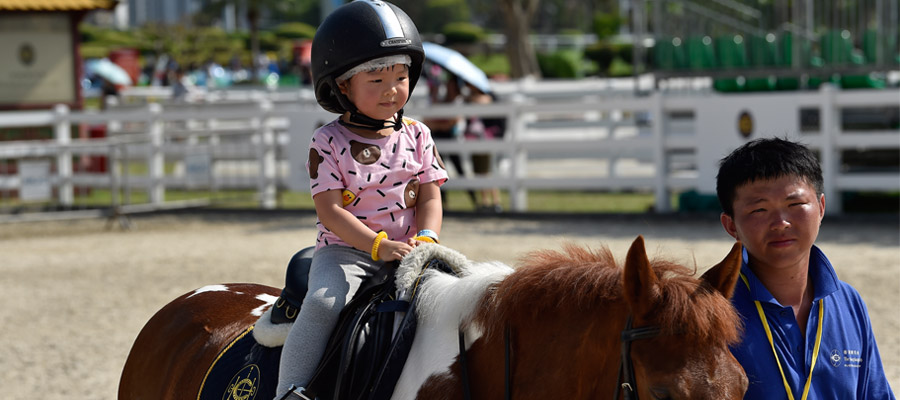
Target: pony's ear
(723, 276)
(639, 281)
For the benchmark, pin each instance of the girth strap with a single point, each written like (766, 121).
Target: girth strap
(464, 366)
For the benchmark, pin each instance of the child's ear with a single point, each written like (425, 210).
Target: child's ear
(344, 87)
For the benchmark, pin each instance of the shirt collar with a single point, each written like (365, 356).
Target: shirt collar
(825, 280)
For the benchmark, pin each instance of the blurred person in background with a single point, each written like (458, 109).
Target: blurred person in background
(478, 128)
(444, 89)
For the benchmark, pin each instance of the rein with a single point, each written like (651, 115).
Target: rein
(625, 378)
(626, 381)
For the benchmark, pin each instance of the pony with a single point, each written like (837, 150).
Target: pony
(571, 324)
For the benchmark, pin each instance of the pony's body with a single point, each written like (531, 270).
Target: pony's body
(564, 314)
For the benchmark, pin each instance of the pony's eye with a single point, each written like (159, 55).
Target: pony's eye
(660, 393)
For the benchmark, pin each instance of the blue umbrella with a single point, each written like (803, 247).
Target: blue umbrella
(458, 65)
(108, 70)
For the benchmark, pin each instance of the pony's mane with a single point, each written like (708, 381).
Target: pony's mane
(583, 279)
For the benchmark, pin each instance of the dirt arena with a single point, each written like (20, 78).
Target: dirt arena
(75, 294)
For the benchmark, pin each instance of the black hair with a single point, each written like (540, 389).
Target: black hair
(763, 159)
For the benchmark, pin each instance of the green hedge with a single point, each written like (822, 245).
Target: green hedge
(561, 64)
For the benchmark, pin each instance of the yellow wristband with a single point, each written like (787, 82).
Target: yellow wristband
(376, 243)
(425, 239)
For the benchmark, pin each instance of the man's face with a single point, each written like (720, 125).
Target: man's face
(777, 220)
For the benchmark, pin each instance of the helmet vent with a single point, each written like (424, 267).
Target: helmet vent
(390, 22)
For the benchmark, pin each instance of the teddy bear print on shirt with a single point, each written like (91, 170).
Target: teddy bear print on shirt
(364, 153)
(314, 160)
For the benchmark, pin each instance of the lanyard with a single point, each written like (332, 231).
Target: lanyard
(765, 323)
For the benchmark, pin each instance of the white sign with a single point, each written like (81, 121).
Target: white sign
(34, 180)
(198, 167)
(38, 64)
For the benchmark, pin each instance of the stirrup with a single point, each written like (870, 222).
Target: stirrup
(296, 393)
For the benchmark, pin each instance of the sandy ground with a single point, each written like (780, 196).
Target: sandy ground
(75, 294)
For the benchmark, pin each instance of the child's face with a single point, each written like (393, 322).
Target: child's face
(379, 94)
(777, 220)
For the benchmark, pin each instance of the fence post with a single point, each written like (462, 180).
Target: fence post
(831, 128)
(267, 160)
(518, 195)
(156, 161)
(660, 185)
(62, 131)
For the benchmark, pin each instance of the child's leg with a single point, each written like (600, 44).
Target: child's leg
(335, 275)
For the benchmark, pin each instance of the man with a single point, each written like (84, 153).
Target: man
(807, 335)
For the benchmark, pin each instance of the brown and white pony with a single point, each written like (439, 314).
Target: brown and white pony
(551, 328)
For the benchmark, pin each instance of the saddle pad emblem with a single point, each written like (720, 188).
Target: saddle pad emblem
(244, 370)
(244, 384)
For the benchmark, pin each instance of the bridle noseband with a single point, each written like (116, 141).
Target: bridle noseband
(625, 377)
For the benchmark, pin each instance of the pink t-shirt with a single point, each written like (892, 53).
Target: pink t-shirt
(379, 178)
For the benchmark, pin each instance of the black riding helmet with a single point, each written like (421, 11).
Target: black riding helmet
(353, 34)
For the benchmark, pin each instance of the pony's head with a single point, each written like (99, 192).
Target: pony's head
(564, 314)
(689, 358)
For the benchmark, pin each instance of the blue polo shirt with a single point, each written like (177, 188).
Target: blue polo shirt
(848, 365)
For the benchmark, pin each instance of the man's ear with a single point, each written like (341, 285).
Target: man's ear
(821, 206)
(728, 224)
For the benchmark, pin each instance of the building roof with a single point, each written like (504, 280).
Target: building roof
(56, 5)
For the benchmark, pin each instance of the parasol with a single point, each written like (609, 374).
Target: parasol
(110, 71)
(458, 65)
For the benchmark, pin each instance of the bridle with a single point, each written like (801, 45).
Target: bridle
(624, 381)
(625, 378)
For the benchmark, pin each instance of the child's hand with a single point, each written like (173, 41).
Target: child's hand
(390, 250)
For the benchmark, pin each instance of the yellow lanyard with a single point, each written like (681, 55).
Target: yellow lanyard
(765, 323)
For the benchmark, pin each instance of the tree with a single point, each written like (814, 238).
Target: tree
(253, 11)
(517, 14)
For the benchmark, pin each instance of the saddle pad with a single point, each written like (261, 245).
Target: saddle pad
(245, 370)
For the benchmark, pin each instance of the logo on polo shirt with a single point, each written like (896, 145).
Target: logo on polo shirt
(847, 357)
(835, 358)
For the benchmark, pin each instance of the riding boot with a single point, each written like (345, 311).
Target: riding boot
(295, 285)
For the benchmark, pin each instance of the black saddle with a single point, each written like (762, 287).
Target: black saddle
(365, 355)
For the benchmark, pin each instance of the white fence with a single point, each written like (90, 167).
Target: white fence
(588, 135)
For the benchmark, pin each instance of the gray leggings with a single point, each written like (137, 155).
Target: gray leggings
(334, 277)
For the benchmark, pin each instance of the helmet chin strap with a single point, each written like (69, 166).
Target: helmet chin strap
(362, 121)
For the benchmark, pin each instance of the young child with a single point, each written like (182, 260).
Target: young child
(807, 335)
(374, 175)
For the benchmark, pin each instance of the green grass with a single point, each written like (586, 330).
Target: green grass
(455, 201)
(538, 201)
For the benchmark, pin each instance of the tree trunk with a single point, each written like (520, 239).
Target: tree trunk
(253, 21)
(522, 59)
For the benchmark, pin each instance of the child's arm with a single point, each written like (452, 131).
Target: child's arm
(331, 213)
(429, 211)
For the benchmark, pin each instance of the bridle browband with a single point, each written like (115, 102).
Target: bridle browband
(624, 379)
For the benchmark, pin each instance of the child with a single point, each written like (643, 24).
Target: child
(806, 333)
(374, 176)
